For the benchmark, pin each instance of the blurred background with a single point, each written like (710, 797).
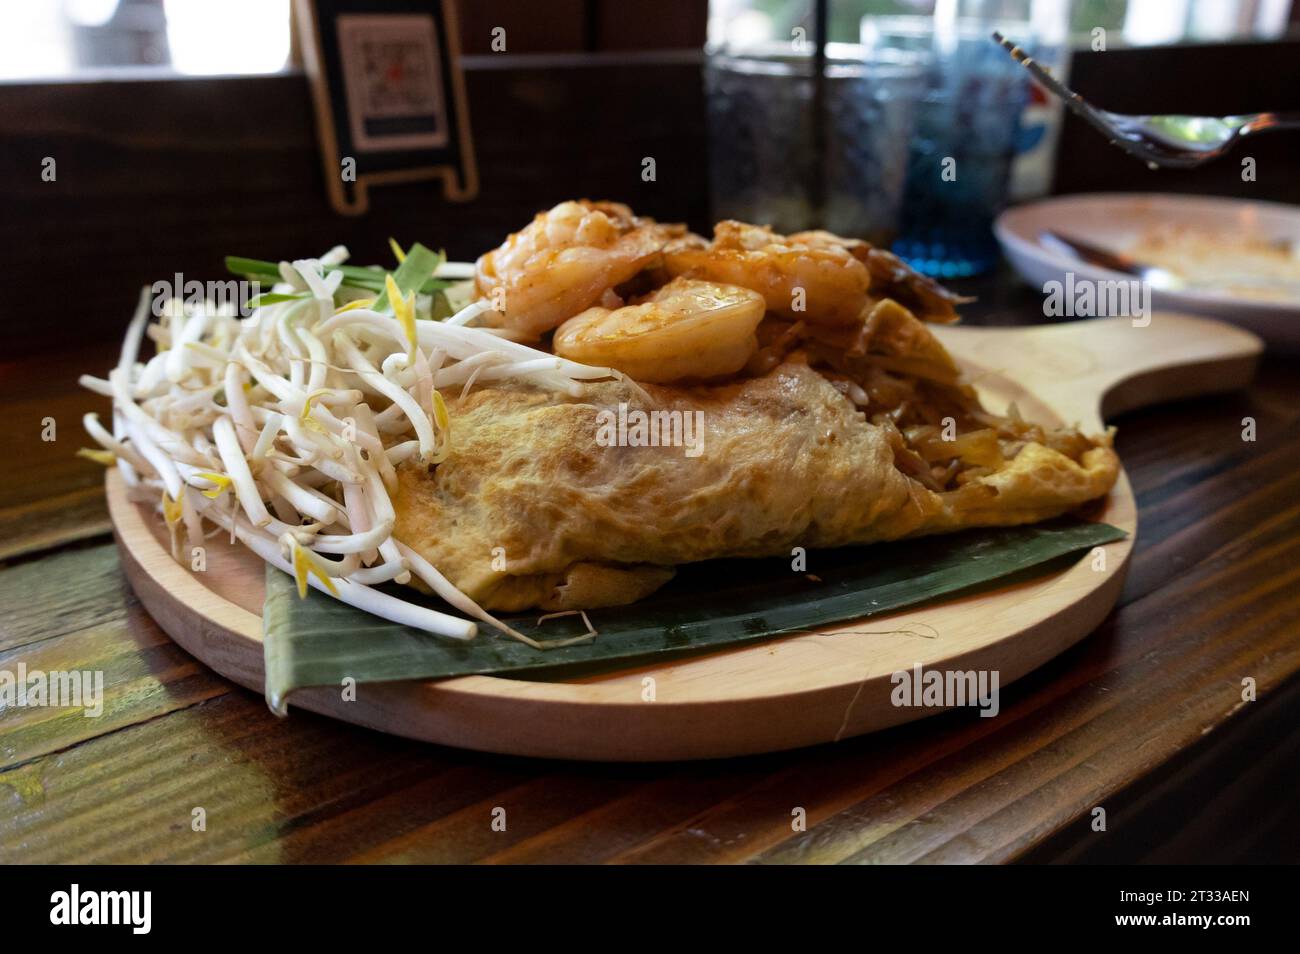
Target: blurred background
(183, 129)
(53, 39)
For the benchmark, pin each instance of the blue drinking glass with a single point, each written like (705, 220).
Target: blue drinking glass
(967, 125)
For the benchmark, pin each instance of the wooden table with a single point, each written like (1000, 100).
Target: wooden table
(1145, 718)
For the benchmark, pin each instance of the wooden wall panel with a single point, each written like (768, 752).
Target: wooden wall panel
(650, 24)
(573, 26)
(555, 26)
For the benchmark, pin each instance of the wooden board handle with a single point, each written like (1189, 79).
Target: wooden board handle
(1089, 370)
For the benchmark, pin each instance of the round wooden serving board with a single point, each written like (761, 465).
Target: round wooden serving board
(779, 694)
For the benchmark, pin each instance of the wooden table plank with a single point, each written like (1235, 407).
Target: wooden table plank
(270, 789)
(143, 675)
(62, 593)
(48, 495)
(625, 822)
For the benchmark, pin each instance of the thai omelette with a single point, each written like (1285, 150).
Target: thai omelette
(802, 398)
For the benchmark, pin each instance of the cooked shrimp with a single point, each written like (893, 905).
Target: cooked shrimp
(565, 260)
(686, 330)
(891, 277)
(816, 281)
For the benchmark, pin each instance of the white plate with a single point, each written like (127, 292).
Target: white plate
(1114, 220)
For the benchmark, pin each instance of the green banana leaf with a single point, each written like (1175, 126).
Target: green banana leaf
(319, 641)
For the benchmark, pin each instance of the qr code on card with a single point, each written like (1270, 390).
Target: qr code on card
(393, 77)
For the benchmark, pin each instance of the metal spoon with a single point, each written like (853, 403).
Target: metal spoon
(1172, 141)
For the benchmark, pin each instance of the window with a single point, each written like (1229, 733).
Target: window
(1133, 22)
(49, 39)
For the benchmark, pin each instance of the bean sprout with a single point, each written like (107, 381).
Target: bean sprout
(285, 428)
